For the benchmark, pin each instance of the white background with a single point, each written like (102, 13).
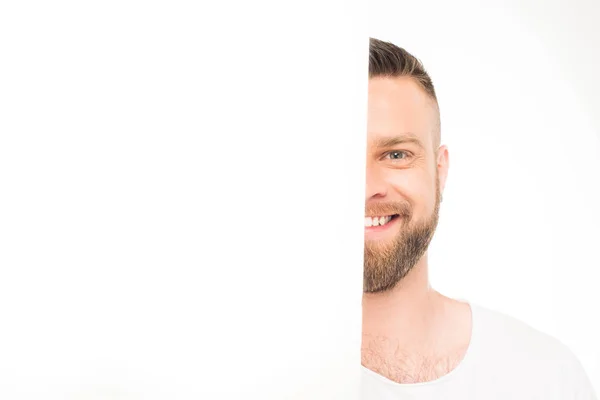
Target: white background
(181, 188)
(520, 106)
(181, 199)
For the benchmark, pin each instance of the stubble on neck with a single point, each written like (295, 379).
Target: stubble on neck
(423, 342)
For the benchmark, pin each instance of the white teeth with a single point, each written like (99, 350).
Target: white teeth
(377, 221)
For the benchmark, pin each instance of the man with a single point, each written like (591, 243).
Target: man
(417, 343)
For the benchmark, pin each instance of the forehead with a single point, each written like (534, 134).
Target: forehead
(397, 106)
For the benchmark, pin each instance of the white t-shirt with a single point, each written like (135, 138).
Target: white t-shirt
(506, 360)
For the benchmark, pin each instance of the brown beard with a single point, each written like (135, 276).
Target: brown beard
(387, 264)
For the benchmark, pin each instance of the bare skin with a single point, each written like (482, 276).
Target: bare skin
(411, 333)
(418, 341)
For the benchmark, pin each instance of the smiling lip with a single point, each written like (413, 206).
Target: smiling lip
(387, 223)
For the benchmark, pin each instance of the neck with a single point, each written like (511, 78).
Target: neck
(406, 313)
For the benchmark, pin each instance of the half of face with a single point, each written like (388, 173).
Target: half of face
(402, 188)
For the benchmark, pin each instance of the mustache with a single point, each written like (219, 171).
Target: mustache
(390, 208)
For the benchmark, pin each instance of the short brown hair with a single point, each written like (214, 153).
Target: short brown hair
(388, 60)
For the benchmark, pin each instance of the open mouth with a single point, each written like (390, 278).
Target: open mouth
(376, 221)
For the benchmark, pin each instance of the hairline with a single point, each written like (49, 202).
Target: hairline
(433, 101)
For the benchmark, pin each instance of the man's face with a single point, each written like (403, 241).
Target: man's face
(403, 185)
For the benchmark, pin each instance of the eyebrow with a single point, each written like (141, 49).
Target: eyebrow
(398, 139)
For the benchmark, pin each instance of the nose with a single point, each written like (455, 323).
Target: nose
(376, 186)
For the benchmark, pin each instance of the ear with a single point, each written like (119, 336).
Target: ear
(442, 165)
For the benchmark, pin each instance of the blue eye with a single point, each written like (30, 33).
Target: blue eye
(397, 155)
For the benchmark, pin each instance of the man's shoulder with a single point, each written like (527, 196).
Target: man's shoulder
(502, 333)
(511, 346)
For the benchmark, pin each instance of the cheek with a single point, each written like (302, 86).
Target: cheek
(410, 184)
(414, 187)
